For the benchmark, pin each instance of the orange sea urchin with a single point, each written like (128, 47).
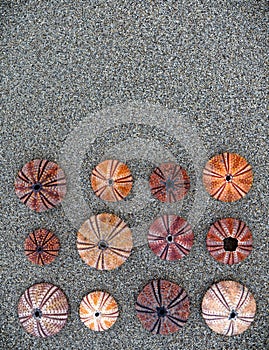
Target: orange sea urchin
(227, 177)
(98, 311)
(104, 241)
(111, 180)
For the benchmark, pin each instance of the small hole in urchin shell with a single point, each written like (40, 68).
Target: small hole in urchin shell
(230, 244)
(229, 178)
(102, 245)
(97, 314)
(37, 313)
(110, 182)
(232, 315)
(161, 311)
(37, 187)
(169, 238)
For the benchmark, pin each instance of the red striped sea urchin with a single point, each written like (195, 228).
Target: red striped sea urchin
(162, 307)
(170, 237)
(229, 241)
(40, 184)
(41, 247)
(169, 182)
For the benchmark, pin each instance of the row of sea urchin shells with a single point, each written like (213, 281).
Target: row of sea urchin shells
(163, 307)
(41, 184)
(104, 241)
(112, 181)
(229, 240)
(227, 177)
(43, 310)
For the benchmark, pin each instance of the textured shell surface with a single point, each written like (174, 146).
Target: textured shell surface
(104, 241)
(43, 310)
(162, 307)
(98, 311)
(111, 180)
(228, 308)
(169, 182)
(41, 185)
(229, 241)
(41, 247)
(228, 177)
(170, 237)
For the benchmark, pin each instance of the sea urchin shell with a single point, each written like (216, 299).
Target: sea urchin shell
(228, 177)
(228, 308)
(43, 310)
(162, 307)
(229, 241)
(169, 182)
(98, 311)
(170, 237)
(104, 241)
(41, 185)
(41, 247)
(111, 180)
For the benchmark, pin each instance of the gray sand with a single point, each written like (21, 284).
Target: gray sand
(84, 81)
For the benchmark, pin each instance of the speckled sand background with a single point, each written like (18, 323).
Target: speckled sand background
(67, 61)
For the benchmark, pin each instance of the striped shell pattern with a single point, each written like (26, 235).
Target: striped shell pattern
(228, 308)
(170, 237)
(111, 180)
(41, 185)
(98, 311)
(169, 182)
(41, 247)
(104, 241)
(43, 310)
(229, 241)
(162, 307)
(228, 177)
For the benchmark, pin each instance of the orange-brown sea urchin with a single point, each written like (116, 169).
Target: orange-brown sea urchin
(40, 184)
(227, 177)
(104, 241)
(111, 180)
(98, 311)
